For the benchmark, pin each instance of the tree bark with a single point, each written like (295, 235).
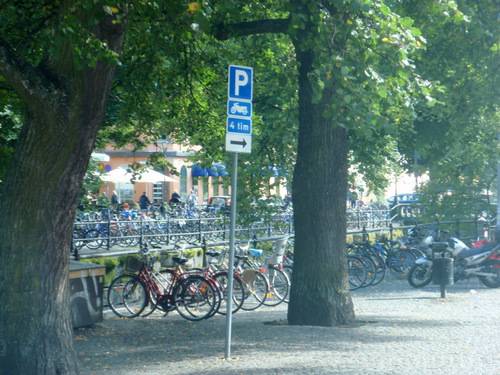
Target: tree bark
(64, 109)
(319, 294)
(320, 291)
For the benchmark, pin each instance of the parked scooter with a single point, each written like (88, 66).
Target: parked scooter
(480, 262)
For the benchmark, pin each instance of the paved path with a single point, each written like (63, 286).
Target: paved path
(409, 331)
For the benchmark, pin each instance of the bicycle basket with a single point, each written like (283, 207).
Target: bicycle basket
(132, 264)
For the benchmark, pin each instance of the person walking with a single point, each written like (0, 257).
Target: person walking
(144, 202)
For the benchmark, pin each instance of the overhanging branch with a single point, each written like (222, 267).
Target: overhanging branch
(275, 26)
(26, 80)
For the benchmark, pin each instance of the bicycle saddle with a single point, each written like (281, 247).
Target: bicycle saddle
(256, 252)
(179, 260)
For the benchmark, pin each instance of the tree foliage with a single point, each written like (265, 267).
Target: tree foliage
(334, 79)
(456, 136)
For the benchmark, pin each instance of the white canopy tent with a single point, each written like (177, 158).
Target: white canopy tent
(145, 175)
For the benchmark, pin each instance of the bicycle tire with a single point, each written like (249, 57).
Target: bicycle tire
(288, 269)
(256, 287)
(93, 239)
(163, 283)
(279, 287)
(381, 269)
(195, 298)
(356, 270)
(400, 263)
(238, 291)
(371, 269)
(152, 236)
(127, 296)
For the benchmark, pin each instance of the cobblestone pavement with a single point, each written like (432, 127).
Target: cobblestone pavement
(405, 331)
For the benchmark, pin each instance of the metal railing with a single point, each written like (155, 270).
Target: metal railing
(113, 237)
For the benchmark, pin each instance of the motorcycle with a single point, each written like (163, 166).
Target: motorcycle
(481, 262)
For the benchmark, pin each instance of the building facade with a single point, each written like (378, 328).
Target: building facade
(188, 177)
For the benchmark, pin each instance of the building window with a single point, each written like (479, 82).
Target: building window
(125, 191)
(158, 192)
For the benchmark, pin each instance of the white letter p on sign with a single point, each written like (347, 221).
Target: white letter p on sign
(241, 80)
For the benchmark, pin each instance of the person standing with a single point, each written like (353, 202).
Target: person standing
(192, 200)
(175, 198)
(144, 202)
(354, 198)
(114, 198)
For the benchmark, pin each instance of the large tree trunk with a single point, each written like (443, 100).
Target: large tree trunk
(320, 291)
(39, 197)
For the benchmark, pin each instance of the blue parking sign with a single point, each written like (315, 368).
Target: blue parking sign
(240, 82)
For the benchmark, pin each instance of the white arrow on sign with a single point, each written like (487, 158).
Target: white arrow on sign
(239, 143)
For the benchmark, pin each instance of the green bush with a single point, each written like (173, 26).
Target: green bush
(109, 262)
(191, 253)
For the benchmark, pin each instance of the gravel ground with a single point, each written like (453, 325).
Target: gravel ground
(404, 331)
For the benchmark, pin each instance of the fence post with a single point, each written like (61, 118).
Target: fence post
(457, 232)
(75, 249)
(200, 235)
(438, 229)
(140, 232)
(108, 224)
(204, 252)
(167, 240)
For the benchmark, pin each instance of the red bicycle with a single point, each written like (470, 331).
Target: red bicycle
(195, 297)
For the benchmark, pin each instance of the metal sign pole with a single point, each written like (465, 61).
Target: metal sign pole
(497, 228)
(229, 302)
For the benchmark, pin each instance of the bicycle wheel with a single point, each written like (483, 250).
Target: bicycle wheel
(371, 270)
(279, 287)
(381, 269)
(163, 281)
(78, 239)
(150, 306)
(127, 296)
(238, 291)
(93, 239)
(356, 272)
(288, 270)
(195, 298)
(256, 287)
(152, 236)
(400, 263)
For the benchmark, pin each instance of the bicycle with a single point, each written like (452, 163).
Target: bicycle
(193, 296)
(272, 267)
(356, 271)
(374, 265)
(220, 277)
(398, 259)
